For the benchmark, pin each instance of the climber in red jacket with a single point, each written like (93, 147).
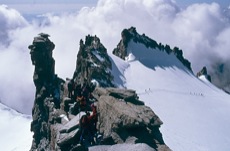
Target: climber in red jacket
(88, 126)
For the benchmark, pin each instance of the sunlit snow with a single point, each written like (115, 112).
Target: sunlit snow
(14, 130)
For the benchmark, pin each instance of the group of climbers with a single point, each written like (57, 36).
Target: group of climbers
(83, 101)
(80, 95)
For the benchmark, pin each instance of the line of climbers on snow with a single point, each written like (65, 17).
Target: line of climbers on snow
(151, 91)
(81, 100)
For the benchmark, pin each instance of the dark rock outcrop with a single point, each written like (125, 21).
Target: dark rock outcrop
(204, 72)
(93, 63)
(123, 120)
(131, 34)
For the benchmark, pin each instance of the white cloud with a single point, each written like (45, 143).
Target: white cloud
(196, 28)
(14, 70)
(200, 30)
(9, 19)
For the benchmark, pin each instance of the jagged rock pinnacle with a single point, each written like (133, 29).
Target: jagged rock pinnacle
(93, 63)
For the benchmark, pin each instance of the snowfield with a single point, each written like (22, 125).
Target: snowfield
(14, 130)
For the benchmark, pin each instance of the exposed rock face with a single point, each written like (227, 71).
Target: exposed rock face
(131, 34)
(123, 119)
(204, 72)
(120, 51)
(93, 63)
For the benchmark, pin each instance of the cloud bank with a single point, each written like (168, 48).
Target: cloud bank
(202, 31)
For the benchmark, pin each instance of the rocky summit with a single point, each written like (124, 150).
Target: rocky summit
(87, 112)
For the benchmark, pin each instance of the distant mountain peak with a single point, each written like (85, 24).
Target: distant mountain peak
(204, 72)
(131, 34)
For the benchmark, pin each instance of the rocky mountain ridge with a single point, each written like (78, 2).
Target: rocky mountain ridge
(217, 70)
(122, 117)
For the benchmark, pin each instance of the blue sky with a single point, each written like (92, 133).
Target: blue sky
(30, 7)
(180, 2)
(224, 3)
(46, 1)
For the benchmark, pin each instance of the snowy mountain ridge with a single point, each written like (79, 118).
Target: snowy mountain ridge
(131, 35)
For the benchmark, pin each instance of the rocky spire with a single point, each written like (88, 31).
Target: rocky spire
(41, 57)
(47, 95)
(93, 63)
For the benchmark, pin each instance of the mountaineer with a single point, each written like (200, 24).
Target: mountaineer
(88, 127)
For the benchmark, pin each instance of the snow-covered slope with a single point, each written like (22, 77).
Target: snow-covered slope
(195, 113)
(14, 130)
